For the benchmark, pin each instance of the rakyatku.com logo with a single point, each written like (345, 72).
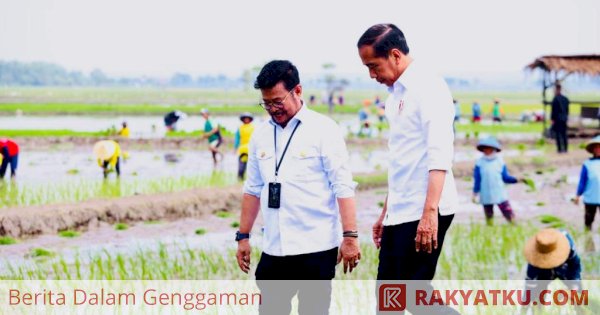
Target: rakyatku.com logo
(392, 297)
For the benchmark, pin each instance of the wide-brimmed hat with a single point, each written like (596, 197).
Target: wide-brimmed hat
(590, 145)
(246, 115)
(104, 149)
(489, 142)
(548, 249)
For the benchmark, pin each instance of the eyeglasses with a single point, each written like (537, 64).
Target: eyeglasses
(277, 104)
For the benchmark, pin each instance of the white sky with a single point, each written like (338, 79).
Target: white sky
(158, 38)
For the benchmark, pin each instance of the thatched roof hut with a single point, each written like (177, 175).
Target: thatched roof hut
(556, 68)
(579, 64)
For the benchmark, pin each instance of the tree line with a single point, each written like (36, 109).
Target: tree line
(14, 73)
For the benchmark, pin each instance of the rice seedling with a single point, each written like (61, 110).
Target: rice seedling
(223, 214)
(121, 226)
(150, 222)
(7, 240)
(470, 251)
(40, 252)
(68, 233)
(76, 191)
(530, 183)
(200, 231)
(235, 224)
(73, 171)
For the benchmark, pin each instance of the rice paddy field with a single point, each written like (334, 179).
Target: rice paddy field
(56, 128)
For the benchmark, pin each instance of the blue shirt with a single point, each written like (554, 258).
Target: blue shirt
(490, 176)
(589, 181)
(313, 174)
(476, 110)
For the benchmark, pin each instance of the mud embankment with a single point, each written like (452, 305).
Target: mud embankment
(33, 220)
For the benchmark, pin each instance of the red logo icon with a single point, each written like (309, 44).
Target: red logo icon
(392, 297)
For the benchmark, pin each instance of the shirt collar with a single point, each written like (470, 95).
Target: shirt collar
(404, 80)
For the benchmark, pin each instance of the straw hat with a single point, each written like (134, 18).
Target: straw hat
(489, 142)
(590, 145)
(104, 149)
(548, 249)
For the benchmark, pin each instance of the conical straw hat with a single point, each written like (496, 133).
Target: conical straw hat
(104, 149)
(548, 249)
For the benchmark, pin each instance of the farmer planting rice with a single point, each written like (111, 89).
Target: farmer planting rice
(589, 183)
(242, 139)
(490, 174)
(9, 155)
(108, 154)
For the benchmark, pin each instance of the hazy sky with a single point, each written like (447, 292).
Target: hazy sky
(157, 38)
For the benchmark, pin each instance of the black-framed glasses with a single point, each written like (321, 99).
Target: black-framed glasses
(277, 104)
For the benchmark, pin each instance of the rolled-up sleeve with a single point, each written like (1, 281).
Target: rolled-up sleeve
(336, 162)
(254, 182)
(437, 115)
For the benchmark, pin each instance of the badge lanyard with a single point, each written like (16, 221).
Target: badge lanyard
(277, 165)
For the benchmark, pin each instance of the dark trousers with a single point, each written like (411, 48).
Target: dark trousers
(242, 163)
(560, 131)
(505, 208)
(13, 161)
(590, 214)
(117, 167)
(398, 260)
(314, 297)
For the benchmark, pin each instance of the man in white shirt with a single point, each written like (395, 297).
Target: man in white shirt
(299, 178)
(422, 195)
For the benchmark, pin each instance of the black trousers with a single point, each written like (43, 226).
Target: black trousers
(398, 260)
(117, 167)
(6, 160)
(314, 297)
(560, 131)
(590, 214)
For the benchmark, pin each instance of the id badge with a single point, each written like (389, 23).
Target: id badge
(274, 195)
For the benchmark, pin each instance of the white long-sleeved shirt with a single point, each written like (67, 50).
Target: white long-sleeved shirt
(420, 112)
(313, 174)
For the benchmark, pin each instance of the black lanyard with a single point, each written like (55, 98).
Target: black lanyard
(277, 165)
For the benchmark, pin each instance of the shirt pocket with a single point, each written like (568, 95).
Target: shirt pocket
(266, 163)
(307, 164)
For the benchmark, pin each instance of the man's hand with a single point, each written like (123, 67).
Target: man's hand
(378, 232)
(575, 200)
(427, 232)
(243, 255)
(349, 253)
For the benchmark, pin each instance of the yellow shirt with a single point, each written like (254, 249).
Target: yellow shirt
(246, 131)
(124, 132)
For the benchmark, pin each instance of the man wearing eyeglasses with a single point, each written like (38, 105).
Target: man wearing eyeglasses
(299, 178)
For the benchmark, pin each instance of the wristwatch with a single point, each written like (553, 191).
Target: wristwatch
(240, 236)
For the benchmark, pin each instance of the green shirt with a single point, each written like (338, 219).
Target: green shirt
(496, 110)
(208, 127)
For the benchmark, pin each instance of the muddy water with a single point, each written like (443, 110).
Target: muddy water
(153, 126)
(41, 167)
(142, 126)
